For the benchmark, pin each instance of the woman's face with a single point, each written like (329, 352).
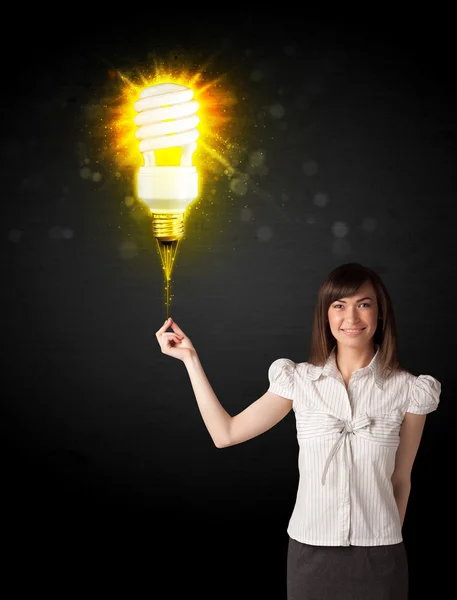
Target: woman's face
(353, 320)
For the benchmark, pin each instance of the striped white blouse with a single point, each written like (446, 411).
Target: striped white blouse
(347, 441)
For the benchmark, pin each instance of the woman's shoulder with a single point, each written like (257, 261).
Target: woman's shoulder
(290, 368)
(310, 370)
(421, 391)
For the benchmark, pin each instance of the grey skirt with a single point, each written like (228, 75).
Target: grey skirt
(346, 572)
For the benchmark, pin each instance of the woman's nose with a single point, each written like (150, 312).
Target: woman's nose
(352, 318)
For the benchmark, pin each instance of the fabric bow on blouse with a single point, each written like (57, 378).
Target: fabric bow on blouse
(349, 428)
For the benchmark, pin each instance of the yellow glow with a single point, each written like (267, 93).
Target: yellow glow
(215, 101)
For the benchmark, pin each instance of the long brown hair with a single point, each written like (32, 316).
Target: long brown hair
(344, 281)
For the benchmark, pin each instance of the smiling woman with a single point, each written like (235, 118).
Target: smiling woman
(359, 421)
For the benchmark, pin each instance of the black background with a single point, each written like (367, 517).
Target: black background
(111, 481)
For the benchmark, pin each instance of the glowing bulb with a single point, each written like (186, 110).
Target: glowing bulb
(167, 122)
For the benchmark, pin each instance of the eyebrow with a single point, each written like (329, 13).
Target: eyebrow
(360, 300)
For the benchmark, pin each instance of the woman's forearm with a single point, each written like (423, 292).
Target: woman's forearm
(401, 495)
(215, 417)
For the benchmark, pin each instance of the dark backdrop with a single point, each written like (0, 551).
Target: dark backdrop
(109, 473)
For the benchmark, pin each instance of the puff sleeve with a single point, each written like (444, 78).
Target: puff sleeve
(424, 395)
(281, 375)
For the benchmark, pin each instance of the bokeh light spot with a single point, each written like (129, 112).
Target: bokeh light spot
(67, 233)
(321, 200)
(277, 111)
(369, 224)
(340, 229)
(239, 185)
(257, 158)
(85, 173)
(264, 233)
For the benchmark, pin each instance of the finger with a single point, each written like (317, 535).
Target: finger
(169, 334)
(164, 327)
(168, 337)
(176, 328)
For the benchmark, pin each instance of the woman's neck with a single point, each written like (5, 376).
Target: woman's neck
(349, 360)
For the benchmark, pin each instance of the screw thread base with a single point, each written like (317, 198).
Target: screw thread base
(168, 227)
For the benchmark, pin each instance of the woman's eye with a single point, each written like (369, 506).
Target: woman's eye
(363, 304)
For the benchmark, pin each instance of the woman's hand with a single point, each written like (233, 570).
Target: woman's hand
(176, 343)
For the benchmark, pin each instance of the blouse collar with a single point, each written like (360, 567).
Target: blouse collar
(330, 368)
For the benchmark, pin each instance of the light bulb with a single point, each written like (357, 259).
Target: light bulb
(167, 119)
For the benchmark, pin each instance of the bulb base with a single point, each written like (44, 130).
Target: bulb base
(168, 227)
(167, 189)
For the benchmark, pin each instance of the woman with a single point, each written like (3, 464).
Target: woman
(359, 420)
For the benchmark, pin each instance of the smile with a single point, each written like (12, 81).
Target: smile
(353, 331)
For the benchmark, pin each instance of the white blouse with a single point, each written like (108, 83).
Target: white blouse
(347, 441)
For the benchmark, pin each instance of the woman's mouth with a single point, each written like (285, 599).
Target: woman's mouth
(353, 332)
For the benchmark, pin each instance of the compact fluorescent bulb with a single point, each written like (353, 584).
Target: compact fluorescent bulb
(167, 119)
